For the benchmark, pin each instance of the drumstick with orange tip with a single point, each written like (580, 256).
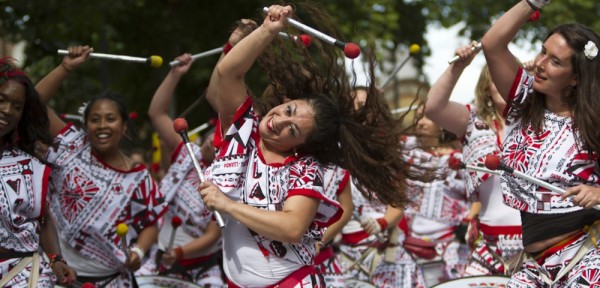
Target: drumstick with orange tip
(351, 50)
(414, 49)
(493, 162)
(180, 125)
(455, 164)
(153, 61)
(122, 230)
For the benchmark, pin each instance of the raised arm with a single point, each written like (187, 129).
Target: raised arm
(228, 77)
(244, 27)
(503, 65)
(49, 85)
(161, 101)
(449, 115)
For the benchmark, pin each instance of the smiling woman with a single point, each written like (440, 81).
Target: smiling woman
(24, 181)
(96, 187)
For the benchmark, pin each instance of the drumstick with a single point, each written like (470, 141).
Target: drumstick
(122, 230)
(403, 109)
(153, 61)
(455, 164)
(304, 39)
(175, 222)
(180, 126)
(474, 48)
(493, 162)
(351, 50)
(413, 50)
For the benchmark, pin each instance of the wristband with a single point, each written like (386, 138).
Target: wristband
(227, 47)
(382, 223)
(55, 258)
(137, 250)
(178, 252)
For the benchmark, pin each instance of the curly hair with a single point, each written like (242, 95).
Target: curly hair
(364, 141)
(583, 99)
(33, 125)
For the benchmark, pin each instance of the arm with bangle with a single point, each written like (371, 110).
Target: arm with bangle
(50, 246)
(211, 235)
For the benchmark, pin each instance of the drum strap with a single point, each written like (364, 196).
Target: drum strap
(589, 244)
(35, 270)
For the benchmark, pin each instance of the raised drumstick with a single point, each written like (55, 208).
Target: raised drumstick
(181, 126)
(152, 61)
(456, 164)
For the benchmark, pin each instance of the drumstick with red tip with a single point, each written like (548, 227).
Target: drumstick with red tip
(455, 164)
(351, 50)
(153, 61)
(122, 230)
(181, 126)
(413, 50)
(175, 222)
(88, 285)
(493, 162)
(303, 38)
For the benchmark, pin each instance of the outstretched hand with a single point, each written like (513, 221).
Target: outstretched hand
(77, 55)
(583, 195)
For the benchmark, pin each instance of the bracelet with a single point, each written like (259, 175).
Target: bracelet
(227, 47)
(55, 258)
(382, 223)
(178, 252)
(137, 250)
(65, 67)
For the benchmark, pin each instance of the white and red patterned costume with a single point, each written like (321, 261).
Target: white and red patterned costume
(357, 243)
(180, 188)
(89, 199)
(440, 204)
(23, 191)
(500, 225)
(335, 181)
(555, 155)
(239, 170)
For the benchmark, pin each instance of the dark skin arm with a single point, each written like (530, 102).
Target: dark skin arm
(49, 242)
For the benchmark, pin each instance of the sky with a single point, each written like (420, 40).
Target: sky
(443, 42)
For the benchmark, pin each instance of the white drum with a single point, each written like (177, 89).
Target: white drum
(476, 282)
(433, 270)
(162, 281)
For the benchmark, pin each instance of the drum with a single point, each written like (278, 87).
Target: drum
(433, 270)
(495, 281)
(162, 281)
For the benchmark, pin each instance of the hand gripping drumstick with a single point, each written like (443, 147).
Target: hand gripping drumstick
(122, 230)
(414, 49)
(351, 50)
(456, 164)
(493, 162)
(304, 39)
(175, 223)
(474, 48)
(180, 126)
(153, 61)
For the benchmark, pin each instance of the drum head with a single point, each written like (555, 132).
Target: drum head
(476, 282)
(162, 281)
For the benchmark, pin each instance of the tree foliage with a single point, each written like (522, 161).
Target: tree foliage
(171, 27)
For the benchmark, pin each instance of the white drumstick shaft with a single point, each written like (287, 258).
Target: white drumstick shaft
(110, 56)
(200, 55)
(313, 31)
